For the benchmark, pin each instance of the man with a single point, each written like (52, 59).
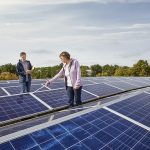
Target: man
(24, 70)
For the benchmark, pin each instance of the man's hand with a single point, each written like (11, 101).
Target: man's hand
(28, 71)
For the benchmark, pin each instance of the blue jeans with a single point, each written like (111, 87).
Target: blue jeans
(25, 86)
(74, 94)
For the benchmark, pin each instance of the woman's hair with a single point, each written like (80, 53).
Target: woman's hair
(22, 53)
(65, 54)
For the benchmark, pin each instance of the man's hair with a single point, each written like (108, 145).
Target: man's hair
(65, 54)
(22, 53)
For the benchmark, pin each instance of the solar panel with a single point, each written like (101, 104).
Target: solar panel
(139, 83)
(57, 85)
(38, 81)
(100, 129)
(85, 82)
(101, 89)
(8, 84)
(137, 108)
(98, 80)
(34, 81)
(135, 82)
(2, 93)
(13, 90)
(147, 80)
(17, 89)
(12, 107)
(6, 130)
(141, 79)
(86, 96)
(55, 98)
(13, 81)
(123, 85)
(96, 130)
(59, 98)
(37, 86)
(113, 79)
(3, 82)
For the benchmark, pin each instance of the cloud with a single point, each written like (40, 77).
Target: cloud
(110, 28)
(139, 26)
(103, 33)
(75, 14)
(134, 53)
(16, 2)
(41, 51)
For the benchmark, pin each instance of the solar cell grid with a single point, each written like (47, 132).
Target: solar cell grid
(17, 89)
(84, 133)
(3, 82)
(57, 85)
(101, 89)
(99, 129)
(136, 107)
(123, 85)
(2, 93)
(136, 83)
(59, 98)
(55, 98)
(8, 84)
(12, 107)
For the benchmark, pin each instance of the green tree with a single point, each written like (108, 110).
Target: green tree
(84, 72)
(8, 68)
(141, 68)
(109, 70)
(55, 69)
(96, 69)
(8, 76)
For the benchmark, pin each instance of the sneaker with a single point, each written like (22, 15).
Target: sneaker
(71, 105)
(80, 103)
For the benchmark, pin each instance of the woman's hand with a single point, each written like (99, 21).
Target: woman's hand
(47, 83)
(76, 87)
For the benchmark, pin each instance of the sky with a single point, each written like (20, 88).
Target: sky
(92, 31)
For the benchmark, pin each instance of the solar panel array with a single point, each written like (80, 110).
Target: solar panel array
(58, 98)
(122, 83)
(54, 99)
(100, 129)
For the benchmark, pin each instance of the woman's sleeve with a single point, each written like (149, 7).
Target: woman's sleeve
(78, 81)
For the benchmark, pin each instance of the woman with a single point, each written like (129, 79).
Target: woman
(72, 74)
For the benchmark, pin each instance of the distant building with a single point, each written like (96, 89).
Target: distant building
(89, 72)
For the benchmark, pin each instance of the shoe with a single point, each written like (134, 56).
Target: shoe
(71, 105)
(78, 104)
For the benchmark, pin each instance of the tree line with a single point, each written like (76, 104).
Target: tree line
(141, 68)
